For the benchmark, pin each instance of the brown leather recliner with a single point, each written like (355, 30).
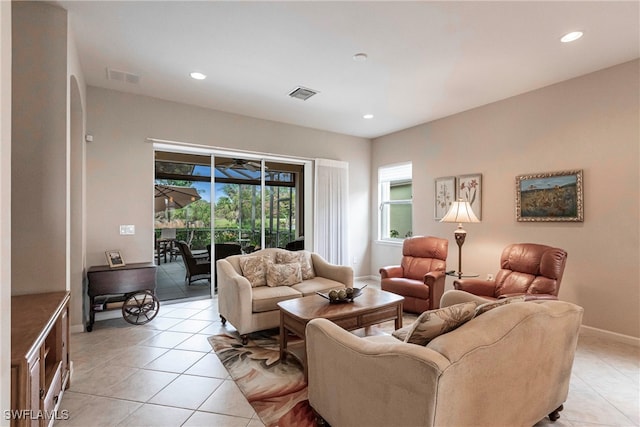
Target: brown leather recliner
(420, 277)
(525, 269)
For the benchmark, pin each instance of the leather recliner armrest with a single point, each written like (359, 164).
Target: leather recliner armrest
(391, 271)
(476, 286)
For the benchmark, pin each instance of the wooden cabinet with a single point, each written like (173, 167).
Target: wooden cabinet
(39, 357)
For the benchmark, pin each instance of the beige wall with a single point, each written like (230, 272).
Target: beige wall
(120, 168)
(5, 206)
(39, 148)
(589, 123)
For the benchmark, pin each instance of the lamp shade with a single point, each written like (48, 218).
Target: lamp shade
(460, 212)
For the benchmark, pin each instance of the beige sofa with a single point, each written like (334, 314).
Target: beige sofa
(507, 367)
(251, 309)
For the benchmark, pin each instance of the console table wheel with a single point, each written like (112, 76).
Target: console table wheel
(140, 307)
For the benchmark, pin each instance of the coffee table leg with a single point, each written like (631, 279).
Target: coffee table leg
(283, 338)
(399, 318)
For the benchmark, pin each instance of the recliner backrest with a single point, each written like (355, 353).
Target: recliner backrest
(422, 254)
(530, 268)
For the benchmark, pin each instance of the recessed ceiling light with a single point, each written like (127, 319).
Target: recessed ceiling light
(368, 116)
(572, 36)
(198, 76)
(360, 57)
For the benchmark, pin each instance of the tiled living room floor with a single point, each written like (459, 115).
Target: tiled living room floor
(165, 374)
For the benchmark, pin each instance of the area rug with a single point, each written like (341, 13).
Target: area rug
(276, 391)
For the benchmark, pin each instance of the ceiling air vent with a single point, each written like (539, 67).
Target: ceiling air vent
(302, 93)
(122, 76)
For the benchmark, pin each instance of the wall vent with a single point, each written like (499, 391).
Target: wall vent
(302, 93)
(122, 76)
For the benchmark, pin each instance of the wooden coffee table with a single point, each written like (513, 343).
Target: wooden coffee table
(372, 307)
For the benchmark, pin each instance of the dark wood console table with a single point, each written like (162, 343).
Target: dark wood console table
(105, 281)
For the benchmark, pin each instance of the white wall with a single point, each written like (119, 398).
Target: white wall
(5, 207)
(589, 123)
(120, 167)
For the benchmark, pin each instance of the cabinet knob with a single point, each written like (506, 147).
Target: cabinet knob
(55, 399)
(41, 393)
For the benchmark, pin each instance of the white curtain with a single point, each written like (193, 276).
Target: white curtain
(331, 240)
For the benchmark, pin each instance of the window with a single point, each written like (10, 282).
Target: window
(395, 197)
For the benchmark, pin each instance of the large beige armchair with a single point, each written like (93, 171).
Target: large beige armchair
(251, 308)
(507, 367)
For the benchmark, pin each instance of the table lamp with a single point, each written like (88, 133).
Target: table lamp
(460, 212)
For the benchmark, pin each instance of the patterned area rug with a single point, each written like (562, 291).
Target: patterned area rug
(277, 391)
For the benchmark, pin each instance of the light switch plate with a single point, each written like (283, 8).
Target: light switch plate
(127, 230)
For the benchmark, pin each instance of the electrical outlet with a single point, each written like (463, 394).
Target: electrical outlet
(489, 276)
(127, 230)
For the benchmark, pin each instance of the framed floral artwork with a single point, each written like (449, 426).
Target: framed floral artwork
(552, 196)
(445, 195)
(470, 190)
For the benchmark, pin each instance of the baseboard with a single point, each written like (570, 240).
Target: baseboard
(614, 336)
(375, 278)
(74, 329)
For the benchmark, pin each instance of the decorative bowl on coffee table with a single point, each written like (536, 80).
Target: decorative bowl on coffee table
(340, 298)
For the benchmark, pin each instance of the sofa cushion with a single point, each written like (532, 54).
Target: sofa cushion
(283, 274)
(317, 284)
(483, 308)
(254, 269)
(433, 323)
(301, 257)
(266, 298)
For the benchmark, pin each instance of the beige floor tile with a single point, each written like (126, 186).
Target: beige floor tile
(198, 342)
(211, 314)
(167, 339)
(190, 325)
(161, 323)
(175, 361)
(228, 400)
(586, 405)
(95, 411)
(216, 328)
(209, 366)
(100, 379)
(157, 416)
(141, 386)
(181, 313)
(187, 391)
(138, 356)
(200, 419)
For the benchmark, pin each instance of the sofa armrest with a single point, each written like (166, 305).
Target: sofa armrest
(476, 286)
(235, 295)
(347, 373)
(339, 273)
(391, 271)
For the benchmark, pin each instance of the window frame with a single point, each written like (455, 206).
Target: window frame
(388, 175)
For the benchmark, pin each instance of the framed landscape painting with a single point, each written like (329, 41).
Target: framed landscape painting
(553, 196)
(470, 190)
(445, 195)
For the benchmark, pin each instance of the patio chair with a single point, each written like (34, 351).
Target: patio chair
(223, 250)
(196, 268)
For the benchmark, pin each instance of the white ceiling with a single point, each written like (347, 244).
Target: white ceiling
(427, 60)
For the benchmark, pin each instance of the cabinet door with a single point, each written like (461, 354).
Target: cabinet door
(34, 393)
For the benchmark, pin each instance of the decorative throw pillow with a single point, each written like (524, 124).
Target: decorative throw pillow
(283, 274)
(433, 323)
(254, 269)
(483, 308)
(401, 333)
(301, 257)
